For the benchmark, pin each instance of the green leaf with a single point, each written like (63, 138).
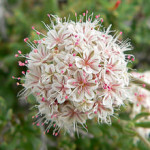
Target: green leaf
(140, 115)
(129, 131)
(142, 124)
(9, 114)
(2, 105)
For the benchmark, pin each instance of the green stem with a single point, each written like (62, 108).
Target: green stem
(147, 143)
(142, 138)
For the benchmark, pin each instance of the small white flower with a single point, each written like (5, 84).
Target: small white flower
(55, 37)
(40, 55)
(82, 86)
(47, 73)
(61, 88)
(72, 115)
(85, 105)
(89, 62)
(103, 112)
(65, 62)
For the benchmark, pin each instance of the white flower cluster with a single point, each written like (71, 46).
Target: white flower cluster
(140, 95)
(77, 72)
(141, 100)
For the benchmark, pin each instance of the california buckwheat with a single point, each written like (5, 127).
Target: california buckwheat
(78, 71)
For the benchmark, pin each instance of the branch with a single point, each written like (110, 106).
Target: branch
(142, 138)
(135, 132)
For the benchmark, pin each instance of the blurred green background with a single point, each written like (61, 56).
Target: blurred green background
(132, 17)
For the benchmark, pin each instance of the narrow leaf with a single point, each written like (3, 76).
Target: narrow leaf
(140, 115)
(143, 124)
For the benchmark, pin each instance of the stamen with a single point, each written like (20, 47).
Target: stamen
(144, 85)
(23, 72)
(35, 50)
(132, 59)
(70, 65)
(26, 39)
(16, 55)
(19, 51)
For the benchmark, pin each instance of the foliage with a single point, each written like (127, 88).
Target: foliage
(16, 129)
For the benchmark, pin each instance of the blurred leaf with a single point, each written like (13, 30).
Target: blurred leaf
(142, 114)
(129, 131)
(2, 105)
(9, 114)
(142, 124)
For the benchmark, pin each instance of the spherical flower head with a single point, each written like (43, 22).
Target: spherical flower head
(76, 72)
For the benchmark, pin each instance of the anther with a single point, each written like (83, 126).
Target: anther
(16, 55)
(132, 59)
(26, 39)
(66, 97)
(144, 85)
(35, 41)
(35, 50)
(19, 51)
(95, 112)
(38, 33)
(70, 65)
(43, 99)
(129, 57)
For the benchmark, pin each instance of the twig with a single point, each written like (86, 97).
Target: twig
(142, 138)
